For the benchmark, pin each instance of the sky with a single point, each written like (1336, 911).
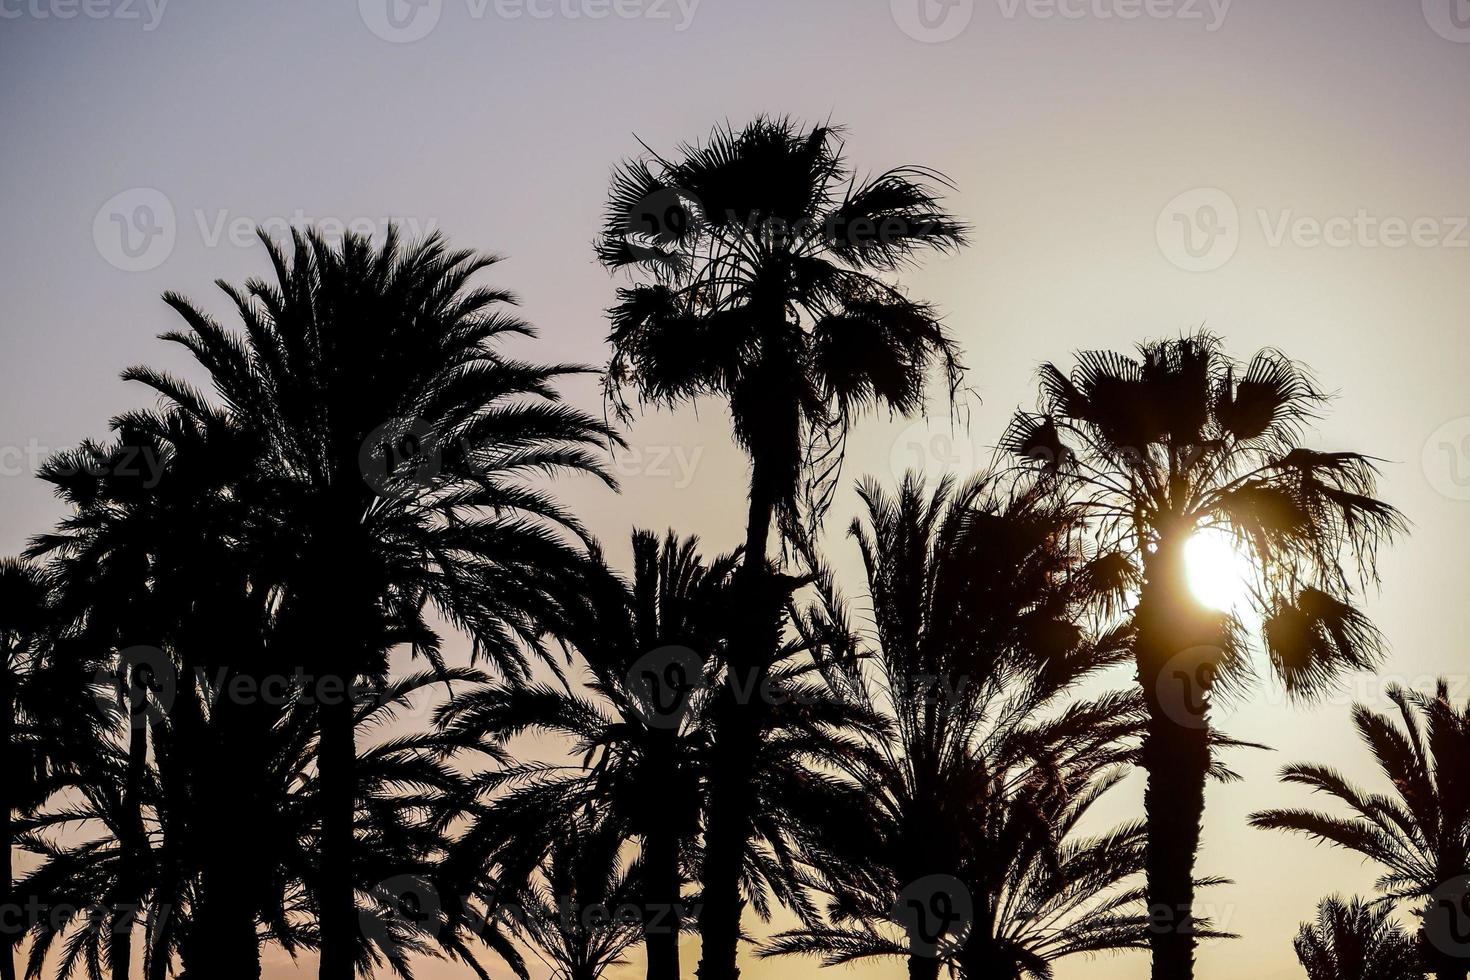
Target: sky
(1288, 174)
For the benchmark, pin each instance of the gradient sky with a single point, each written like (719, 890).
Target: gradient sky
(1087, 137)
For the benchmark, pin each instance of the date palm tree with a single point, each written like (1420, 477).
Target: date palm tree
(1420, 834)
(396, 445)
(1356, 940)
(980, 597)
(641, 746)
(1183, 438)
(760, 265)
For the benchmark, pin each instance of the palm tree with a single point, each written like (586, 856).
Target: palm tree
(979, 600)
(1420, 835)
(1158, 447)
(395, 441)
(1356, 941)
(641, 747)
(762, 261)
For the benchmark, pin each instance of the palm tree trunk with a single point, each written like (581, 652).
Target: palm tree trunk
(9, 917)
(120, 945)
(661, 931)
(1172, 628)
(664, 881)
(923, 968)
(336, 760)
(732, 795)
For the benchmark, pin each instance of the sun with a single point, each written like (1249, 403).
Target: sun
(1219, 575)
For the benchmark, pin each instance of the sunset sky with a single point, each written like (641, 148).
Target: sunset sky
(1291, 174)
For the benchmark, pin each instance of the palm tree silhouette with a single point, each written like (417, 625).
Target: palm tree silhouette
(1421, 833)
(761, 259)
(395, 442)
(642, 744)
(1182, 438)
(979, 598)
(1356, 941)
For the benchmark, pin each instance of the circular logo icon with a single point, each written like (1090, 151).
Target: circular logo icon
(141, 683)
(1447, 919)
(408, 908)
(135, 229)
(1182, 688)
(1446, 459)
(655, 223)
(663, 683)
(938, 446)
(401, 459)
(937, 913)
(400, 21)
(1450, 19)
(932, 21)
(1199, 230)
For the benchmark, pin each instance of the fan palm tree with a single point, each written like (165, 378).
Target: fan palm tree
(979, 598)
(641, 746)
(396, 442)
(761, 263)
(1158, 447)
(1420, 835)
(1356, 941)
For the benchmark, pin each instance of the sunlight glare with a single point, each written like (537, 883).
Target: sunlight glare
(1219, 575)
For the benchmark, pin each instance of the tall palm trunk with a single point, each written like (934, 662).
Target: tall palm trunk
(1172, 626)
(664, 881)
(228, 792)
(923, 968)
(135, 847)
(732, 798)
(10, 922)
(336, 761)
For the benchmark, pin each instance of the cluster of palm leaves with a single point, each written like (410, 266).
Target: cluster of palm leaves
(211, 746)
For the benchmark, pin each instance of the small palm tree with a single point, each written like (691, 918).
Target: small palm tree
(979, 598)
(395, 443)
(1420, 835)
(762, 261)
(641, 747)
(1156, 448)
(1356, 940)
